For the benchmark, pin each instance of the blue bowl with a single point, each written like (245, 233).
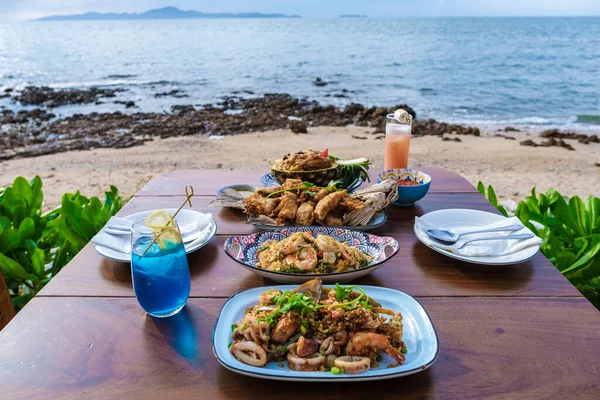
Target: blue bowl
(407, 195)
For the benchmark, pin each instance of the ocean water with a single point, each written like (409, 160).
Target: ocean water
(536, 72)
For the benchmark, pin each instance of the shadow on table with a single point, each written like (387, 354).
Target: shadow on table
(499, 278)
(203, 260)
(229, 383)
(179, 332)
(116, 272)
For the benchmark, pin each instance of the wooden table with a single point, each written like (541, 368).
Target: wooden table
(518, 331)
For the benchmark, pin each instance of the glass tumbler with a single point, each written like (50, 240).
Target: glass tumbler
(159, 268)
(397, 142)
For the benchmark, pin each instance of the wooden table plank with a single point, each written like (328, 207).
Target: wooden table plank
(233, 222)
(108, 348)
(207, 182)
(415, 269)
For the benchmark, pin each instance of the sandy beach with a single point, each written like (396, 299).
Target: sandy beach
(511, 168)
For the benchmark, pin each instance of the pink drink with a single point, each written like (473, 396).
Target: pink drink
(397, 145)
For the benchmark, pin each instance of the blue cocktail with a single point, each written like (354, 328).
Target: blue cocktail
(159, 266)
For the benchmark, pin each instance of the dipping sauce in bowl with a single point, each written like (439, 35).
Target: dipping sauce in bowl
(412, 184)
(408, 183)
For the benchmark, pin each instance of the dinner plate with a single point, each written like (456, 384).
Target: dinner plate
(378, 219)
(454, 218)
(419, 336)
(244, 249)
(268, 180)
(191, 243)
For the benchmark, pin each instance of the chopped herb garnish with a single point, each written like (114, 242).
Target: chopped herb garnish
(404, 350)
(335, 370)
(233, 327)
(229, 344)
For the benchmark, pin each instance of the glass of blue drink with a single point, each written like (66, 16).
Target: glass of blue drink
(159, 267)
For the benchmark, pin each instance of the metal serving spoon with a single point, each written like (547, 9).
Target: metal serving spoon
(522, 236)
(449, 237)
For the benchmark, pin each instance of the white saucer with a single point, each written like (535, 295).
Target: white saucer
(190, 238)
(453, 218)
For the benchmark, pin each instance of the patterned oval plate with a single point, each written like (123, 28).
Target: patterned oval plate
(268, 180)
(243, 249)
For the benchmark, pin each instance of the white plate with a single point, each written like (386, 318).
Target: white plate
(454, 218)
(419, 335)
(184, 215)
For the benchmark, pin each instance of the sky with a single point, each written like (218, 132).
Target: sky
(28, 9)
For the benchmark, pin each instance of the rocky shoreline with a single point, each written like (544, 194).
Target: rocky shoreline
(38, 132)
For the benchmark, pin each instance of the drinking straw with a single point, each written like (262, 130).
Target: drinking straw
(189, 192)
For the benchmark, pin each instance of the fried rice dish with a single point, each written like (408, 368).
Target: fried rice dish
(303, 253)
(313, 328)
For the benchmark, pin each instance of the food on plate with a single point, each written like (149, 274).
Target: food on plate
(408, 183)
(303, 253)
(320, 168)
(302, 203)
(314, 328)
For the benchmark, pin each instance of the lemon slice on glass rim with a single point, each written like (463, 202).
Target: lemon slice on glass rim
(163, 227)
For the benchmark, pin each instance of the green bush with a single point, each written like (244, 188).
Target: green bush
(570, 233)
(35, 246)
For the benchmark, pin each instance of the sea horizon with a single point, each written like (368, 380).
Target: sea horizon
(532, 72)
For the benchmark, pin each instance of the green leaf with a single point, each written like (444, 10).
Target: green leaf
(26, 229)
(342, 292)
(492, 196)
(502, 211)
(13, 269)
(22, 300)
(38, 262)
(37, 196)
(586, 258)
(481, 188)
(579, 217)
(592, 206)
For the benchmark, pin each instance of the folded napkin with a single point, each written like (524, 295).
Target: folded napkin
(116, 234)
(479, 249)
(120, 243)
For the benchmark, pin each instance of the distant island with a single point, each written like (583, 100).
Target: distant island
(160, 13)
(353, 16)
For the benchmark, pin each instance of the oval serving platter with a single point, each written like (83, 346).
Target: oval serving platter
(243, 249)
(419, 335)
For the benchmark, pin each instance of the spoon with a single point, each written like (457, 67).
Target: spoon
(522, 236)
(449, 237)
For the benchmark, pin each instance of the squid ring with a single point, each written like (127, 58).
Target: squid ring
(310, 363)
(249, 353)
(353, 364)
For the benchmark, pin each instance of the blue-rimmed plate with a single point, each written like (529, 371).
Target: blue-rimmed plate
(268, 180)
(419, 335)
(244, 250)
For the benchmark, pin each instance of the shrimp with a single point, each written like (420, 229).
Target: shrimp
(293, 243)
(305, 259)
(329, 246)
(370, 344)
